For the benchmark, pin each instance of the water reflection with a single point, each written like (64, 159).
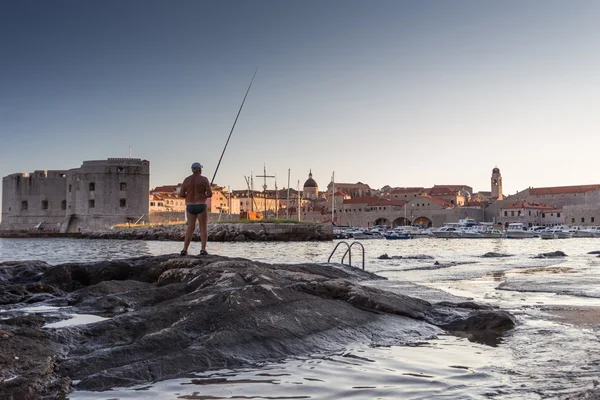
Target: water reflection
(408, 372)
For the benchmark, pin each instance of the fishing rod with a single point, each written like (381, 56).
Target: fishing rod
(233, 127)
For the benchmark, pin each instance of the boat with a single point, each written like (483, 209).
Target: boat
(447, 232)
(578, 231)
(556, 232)
(517, 230)
(396, 235)
(492, 233)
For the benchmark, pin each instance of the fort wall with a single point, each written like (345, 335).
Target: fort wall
(33, 201)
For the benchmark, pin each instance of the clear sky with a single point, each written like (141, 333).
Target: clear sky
(400, 93)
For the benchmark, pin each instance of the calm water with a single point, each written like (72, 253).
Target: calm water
(549, 355)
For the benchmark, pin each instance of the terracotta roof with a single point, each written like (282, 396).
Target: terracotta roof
(526, 204)
(564, 189)
(353, 185)
(456, 187)
(165, 189)
(442, 191)
(408, 190)
(439, 202)
(361, 200)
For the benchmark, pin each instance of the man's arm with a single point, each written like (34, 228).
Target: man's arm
(208, 189)
(183, 190)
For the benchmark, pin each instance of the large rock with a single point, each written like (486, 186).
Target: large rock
(169, 316)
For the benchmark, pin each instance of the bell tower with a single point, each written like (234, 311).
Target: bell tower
(496, 184)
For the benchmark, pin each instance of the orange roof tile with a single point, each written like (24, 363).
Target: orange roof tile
(439, 202)
(563, 189)
(407, 190)
(361, 200)
(526, 204)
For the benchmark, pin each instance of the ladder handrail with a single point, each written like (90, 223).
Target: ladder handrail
(349, 253)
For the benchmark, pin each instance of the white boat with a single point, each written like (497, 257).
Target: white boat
(556, 232)
(447, 232)
(492, 234)
(595, 230)
(517, 230)
(582, 232)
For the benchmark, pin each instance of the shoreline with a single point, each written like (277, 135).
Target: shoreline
(221, 232)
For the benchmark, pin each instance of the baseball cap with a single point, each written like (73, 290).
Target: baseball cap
(196, 166)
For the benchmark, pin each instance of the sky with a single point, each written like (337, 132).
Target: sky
(399, 93)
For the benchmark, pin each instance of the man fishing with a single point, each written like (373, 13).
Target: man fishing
(196, 189)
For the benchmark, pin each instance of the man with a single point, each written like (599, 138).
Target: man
(195, 190)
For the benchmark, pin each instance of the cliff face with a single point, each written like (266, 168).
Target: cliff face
(167, 316)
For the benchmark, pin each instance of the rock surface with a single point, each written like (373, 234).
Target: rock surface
(222, 232)
(551, 254)
(169, 316)
(491, 254)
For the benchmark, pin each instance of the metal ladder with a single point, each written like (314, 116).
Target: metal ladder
(349, 252)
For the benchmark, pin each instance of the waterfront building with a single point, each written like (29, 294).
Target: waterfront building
(530, 214)
(358, 189)
(98, 194)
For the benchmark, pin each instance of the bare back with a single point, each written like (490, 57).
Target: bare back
(195, 189)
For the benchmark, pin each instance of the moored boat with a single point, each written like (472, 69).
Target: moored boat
(517, 230)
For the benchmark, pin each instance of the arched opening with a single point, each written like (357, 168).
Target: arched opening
(423, 222)
(400, 222)
(382, 221)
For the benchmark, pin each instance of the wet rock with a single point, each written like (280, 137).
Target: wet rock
(557, 253)
(594, 252)
(170, 316)
(419, 257)
(491, 254)
(385, 256)
(439, 265)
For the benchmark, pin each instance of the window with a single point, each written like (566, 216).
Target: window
(512, 213)
(120, 169)
(44, 204)
(122, 186)
(122, 202)
(24, 205)
(152, 204)
(69, 188)
(572, 220)
(558, 215)
(530, 213)
(92, 186)
(91, 203)
(506, 213)
(592, 218)
(543, 215)
(582, 219)
(63, 205)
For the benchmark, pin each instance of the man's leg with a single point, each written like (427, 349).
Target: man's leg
(203, 222)
(189, 232)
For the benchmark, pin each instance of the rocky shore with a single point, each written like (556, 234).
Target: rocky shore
(223, 232)
(94, 326)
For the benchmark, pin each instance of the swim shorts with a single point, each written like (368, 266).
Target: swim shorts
(195, 209)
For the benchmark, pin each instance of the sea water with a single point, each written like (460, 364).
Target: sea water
(552, 353)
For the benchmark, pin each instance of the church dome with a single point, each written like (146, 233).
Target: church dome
(496, 170)
(310, 182)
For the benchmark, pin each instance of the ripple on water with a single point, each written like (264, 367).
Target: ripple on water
(426, 371)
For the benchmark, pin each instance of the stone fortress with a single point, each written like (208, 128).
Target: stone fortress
(96, 195)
